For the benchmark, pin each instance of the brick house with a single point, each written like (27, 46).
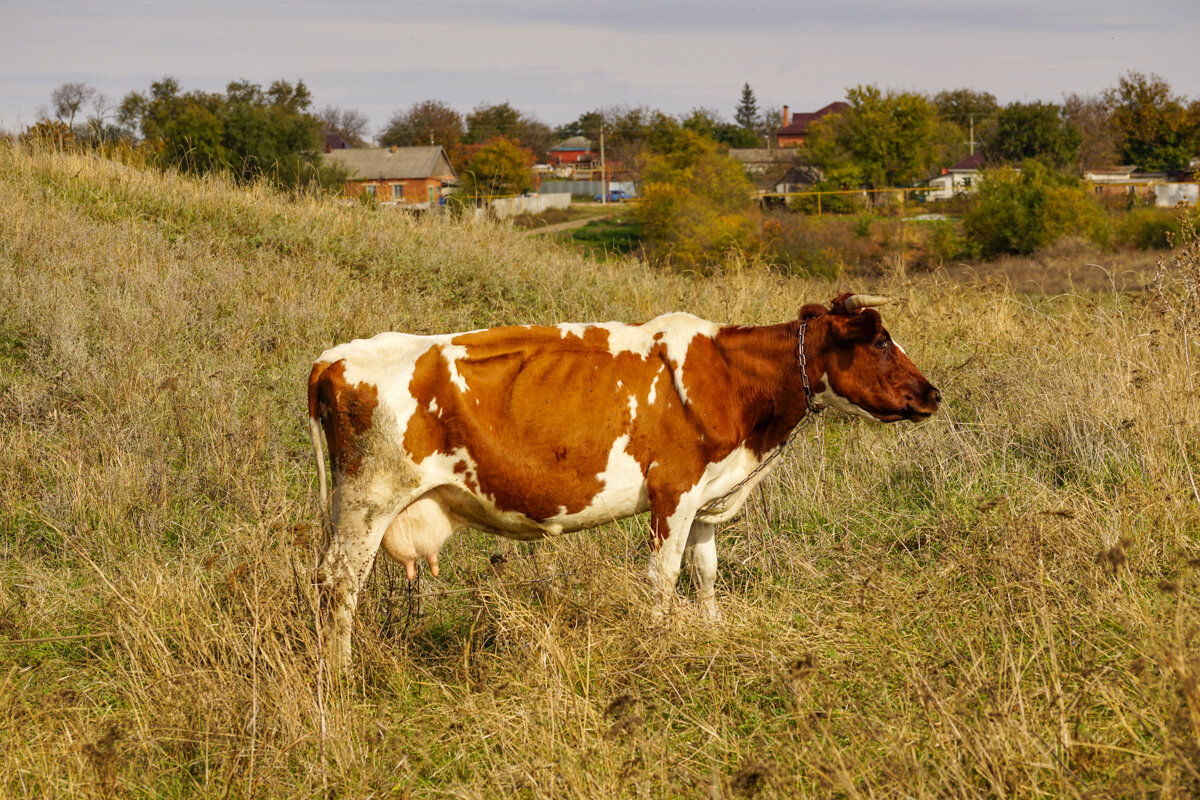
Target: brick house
(795, 126)
(407, 175)
(576, 150)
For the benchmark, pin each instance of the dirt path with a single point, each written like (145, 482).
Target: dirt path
(565, 226)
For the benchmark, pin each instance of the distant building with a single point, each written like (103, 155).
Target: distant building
(962, 178)
(795, 126)
(576, 150)
(1162, 189)
(408, 175)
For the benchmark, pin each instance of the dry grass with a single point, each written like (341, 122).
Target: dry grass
(1001, 602)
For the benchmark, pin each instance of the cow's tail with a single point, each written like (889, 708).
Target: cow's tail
(315, 431)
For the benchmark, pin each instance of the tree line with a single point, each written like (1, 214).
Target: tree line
(885, 138)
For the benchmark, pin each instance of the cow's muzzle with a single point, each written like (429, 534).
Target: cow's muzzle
(923, 404)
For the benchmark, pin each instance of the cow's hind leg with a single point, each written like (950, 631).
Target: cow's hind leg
(701, 559)
(358, 529)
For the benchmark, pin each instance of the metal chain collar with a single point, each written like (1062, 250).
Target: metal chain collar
(810, 411)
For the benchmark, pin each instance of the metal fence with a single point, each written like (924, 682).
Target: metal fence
(587, 188)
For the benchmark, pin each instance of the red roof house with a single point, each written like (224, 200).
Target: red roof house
(795, 126)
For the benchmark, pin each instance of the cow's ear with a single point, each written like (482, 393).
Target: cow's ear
(811, 311)
(863, 326)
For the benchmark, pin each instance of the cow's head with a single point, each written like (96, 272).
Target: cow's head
(855, 367)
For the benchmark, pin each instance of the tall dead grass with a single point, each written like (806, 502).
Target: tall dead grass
(1001, 602)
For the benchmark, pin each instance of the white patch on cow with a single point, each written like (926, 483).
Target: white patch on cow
(725, 477)
(433, 405)
(624, 492)
(632, 408)
(829, 398)
(898, 347)
(572, 329)
(453, 353)
(654, 387)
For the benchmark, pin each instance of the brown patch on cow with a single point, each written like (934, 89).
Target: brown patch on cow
(345, 413)
(426, 433)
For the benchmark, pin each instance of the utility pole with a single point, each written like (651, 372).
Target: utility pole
(971, 119)
(603, 172)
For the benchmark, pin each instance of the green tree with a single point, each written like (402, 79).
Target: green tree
(588, 124)
(708, 123)
(1019, 211)
(488, 122)
(498, 168)
(1034, 130)
(247, 131)
(968, 117)
(695, 203)
(886, 139)
(746, 115)
(1152, 127)
(425, 123)
(961, 105)
(183, 130)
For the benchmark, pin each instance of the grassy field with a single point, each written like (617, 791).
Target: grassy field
(1001, 602)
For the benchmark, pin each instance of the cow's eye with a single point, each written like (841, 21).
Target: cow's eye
(883, 343)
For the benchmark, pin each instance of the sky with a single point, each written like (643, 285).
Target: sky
(558, 60)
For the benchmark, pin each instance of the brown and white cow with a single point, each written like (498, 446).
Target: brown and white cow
(532, 431)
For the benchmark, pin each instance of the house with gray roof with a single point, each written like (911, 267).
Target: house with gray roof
(417, 176)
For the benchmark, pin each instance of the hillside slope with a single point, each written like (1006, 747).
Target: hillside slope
(1000, 602)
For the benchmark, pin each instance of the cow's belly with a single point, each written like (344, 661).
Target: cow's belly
(469, 510)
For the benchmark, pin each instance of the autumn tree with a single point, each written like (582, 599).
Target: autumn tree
(425, 123)
(695, 203)
(1151, 125)
(1034, 130)
(1089, 116)
(498, 168)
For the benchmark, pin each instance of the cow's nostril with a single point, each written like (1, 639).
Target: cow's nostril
(935, 396)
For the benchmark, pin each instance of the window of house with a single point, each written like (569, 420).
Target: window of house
(397, 191)
(369, 190)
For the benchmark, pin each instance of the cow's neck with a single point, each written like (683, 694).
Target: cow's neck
(764, 362)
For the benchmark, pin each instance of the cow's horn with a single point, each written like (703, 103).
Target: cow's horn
(857, 301)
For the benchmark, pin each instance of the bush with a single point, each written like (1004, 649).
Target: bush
(695, 205)
(1019, 211)
(1149, 228)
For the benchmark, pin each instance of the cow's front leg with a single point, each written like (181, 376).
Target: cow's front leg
(701, 558)
(670, 524)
